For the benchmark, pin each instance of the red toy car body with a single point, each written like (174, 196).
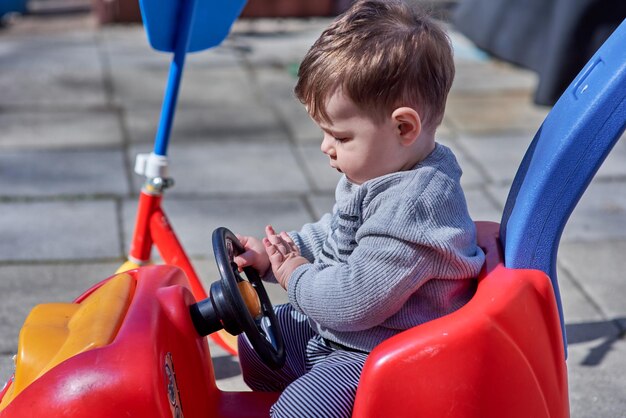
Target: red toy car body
(500, 352)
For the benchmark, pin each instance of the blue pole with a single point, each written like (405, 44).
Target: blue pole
(175, 75)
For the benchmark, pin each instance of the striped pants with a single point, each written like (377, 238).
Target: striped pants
(316, 380)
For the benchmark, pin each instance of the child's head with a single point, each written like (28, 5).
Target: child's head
(382, 55)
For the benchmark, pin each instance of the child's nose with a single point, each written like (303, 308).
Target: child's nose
(327, 145)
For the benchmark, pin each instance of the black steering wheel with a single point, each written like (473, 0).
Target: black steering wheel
(239, 305)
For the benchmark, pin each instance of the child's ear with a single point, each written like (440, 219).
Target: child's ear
(408, 124)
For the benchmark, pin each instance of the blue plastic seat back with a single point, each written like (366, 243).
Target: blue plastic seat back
(210, 23)
(563, 157)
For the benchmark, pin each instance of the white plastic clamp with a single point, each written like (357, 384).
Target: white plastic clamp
(151, 165)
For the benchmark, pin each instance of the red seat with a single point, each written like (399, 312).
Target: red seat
(500, 355)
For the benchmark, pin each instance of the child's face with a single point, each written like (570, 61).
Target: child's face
(358, 146)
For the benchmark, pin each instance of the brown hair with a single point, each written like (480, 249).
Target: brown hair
(384, 55)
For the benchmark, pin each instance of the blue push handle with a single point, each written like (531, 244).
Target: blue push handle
(562, 159)
(182, 26)
(174, 78)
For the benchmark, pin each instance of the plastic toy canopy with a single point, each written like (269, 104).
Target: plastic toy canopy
(209, 24)
(562, 159)
(182, 26)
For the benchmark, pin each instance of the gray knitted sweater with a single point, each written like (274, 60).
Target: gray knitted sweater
(397, 251)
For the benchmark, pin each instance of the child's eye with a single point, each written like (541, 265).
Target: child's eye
(341, 139)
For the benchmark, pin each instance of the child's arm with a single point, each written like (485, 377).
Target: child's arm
(310, 239)
(394, 257)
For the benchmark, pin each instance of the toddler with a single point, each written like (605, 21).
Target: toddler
(399, 248)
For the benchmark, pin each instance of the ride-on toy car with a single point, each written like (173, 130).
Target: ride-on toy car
(134, 344)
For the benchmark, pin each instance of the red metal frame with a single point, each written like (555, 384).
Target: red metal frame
(152, 228)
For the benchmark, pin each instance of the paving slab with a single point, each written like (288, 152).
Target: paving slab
(59, 230)
(506, 112)
(195, 219)
(51, 70)
(473, 171)
(317, 166)
(499, 192)
(321, 204)
(276, 85)
(274, 47)
(599, 270)
(595, 350)
(127, 46)
(578, 307)
(480, 205)
(58, 172)
(46, 129)
(7, 368)
(234, 167)
(128, 39)
(599, 215)
(202, 84)
(471, 77)
(46, 283)
(139, 73)
(445, 130)
(498, 155)
(274, 61)
(598, 390)
(217, 122)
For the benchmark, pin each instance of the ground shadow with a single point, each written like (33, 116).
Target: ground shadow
(225, 366)
(607, 332)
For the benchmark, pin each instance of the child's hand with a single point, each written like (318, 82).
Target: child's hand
(283, 254)
(254, 255)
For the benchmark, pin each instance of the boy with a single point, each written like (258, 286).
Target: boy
(399, 248)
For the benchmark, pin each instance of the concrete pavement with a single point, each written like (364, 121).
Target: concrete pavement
(77, 102)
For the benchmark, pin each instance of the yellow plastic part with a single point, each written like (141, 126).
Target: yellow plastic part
(54, 332)
(128, 265)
